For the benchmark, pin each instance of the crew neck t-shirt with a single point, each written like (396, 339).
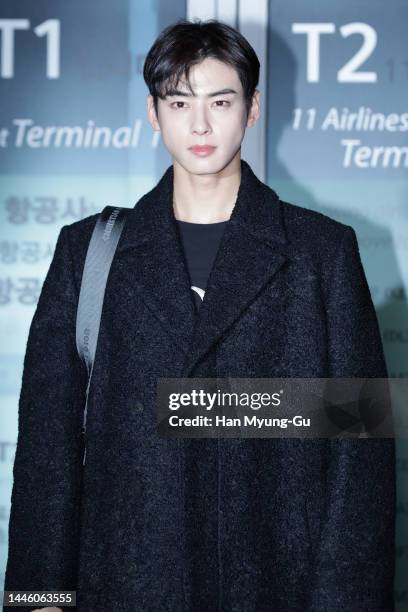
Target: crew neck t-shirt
(200, 242)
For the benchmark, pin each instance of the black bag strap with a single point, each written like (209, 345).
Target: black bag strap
(99, 256)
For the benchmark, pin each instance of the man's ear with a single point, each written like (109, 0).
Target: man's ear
(151, 114)
(255, 110)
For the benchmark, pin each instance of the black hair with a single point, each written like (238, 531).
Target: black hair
(185, 43)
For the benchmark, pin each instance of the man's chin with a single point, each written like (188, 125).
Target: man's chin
(204, 166)
(200, 165)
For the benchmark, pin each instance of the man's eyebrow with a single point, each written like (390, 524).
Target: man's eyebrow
(178, 92)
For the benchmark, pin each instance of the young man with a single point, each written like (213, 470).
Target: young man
(214, 276)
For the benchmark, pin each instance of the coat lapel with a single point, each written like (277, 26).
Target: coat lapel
(152, 262)
(251, 251)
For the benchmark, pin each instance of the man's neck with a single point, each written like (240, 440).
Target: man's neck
(206, 198)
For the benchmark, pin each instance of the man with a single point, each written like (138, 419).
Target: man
(202, 524)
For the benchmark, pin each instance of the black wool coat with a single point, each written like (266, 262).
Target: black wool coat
(187, 525)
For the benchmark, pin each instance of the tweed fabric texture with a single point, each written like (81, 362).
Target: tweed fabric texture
(238, 525)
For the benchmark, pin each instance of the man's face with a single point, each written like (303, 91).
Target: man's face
(203, 119)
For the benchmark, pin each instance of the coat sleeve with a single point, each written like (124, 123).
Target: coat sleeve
(354, 564)
(45, 500)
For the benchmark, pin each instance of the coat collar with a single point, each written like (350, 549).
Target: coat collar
(251, 251)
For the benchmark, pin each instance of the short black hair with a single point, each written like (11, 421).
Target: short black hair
(185, 43)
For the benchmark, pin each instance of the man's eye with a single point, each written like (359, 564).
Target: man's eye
(219, 103)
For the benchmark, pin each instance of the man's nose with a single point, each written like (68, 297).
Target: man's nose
(200, 122)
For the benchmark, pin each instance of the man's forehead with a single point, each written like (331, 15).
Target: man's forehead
(206, 80)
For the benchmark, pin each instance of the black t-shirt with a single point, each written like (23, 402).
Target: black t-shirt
(200, 242)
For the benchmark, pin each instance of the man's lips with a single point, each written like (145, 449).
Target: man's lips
(202, 148)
